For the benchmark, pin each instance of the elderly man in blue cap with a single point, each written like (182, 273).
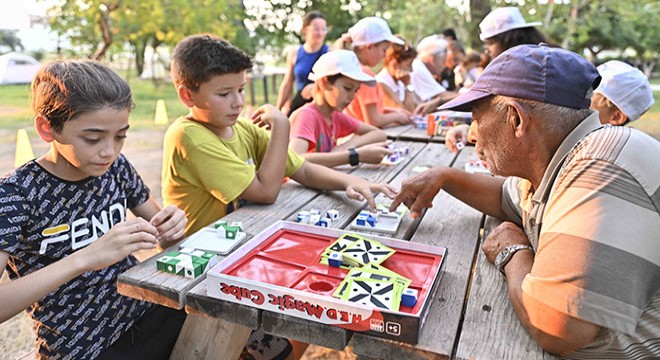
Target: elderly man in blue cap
(579, 202)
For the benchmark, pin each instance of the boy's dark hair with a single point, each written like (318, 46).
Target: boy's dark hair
(64, 89)
(198, 57)
(335, 77)
(520, 36)
(450, 34)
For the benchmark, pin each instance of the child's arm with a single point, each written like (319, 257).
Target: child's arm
(122, 240)
(268, 180)
(382, 120)
(323, 178)
(170, 221)
(365, 134)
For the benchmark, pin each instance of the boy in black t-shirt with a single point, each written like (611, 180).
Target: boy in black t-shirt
(63, 226)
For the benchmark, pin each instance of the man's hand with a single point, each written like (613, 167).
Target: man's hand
(417, 192)
(503, 235)
(373, 153)
(171, 225)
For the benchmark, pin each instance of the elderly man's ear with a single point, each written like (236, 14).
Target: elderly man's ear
(518, 118)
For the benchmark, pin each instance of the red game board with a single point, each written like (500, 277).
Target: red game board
(279, 270)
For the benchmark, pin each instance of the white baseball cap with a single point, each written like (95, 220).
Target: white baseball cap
(626, 87)
(431, 45)
(343, 62)
(372, 30)
(502, 20)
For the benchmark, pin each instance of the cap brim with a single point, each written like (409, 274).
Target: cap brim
(521, 26)
(395, 40)
(359, 76)
(464, 102)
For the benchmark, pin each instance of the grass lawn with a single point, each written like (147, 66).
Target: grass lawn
(15, 110)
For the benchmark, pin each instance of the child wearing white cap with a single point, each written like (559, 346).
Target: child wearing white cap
(370, 38)
(505, 27)
(316, 127)
(624, 93)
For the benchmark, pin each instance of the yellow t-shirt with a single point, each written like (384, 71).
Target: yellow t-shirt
(203, 174)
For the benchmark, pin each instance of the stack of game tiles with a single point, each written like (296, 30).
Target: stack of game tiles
(367, 282)
(186, 262)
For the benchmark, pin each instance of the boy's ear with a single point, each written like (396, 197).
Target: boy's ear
(322, 83)
(185, 95)
(618, 118)
(42, 125)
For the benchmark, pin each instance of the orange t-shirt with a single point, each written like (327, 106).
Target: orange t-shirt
(366, 95)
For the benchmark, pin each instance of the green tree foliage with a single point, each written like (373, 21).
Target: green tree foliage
(9, 41)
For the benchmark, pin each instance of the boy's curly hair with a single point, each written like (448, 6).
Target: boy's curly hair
(198, 57)
(64, 89)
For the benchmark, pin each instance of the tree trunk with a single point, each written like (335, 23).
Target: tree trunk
(106, 32)
(478, 11)
(139, 48)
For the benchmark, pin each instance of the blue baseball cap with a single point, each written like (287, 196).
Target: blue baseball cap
(534, 72)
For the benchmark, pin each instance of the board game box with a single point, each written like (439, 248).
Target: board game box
(279, 270)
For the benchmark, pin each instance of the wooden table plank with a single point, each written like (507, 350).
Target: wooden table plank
(394, 131)
(491, 329)
(454, 225)
(413, 133)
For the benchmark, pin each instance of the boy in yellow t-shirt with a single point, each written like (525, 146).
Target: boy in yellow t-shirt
(212, 158)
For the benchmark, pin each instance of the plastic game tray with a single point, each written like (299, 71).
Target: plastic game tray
(385, 224)
(207, 240)
(279, 271)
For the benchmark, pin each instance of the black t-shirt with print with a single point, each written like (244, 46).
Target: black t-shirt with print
(44, 219)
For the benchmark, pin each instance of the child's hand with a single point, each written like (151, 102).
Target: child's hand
(268, 116)
(171, 225)
(122, 240)
(373, 153)
(403, 75)
(367, 190)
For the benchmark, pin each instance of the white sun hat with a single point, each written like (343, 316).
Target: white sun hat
(372, 30)
(431, 45)
(343, 62)
(626, 87)
(502, 20)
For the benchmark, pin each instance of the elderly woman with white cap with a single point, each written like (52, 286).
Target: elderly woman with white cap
(504, 28)
(624, 93)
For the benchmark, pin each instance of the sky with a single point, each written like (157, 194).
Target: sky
(15, 16)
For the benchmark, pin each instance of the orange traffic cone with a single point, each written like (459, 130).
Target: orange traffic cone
(23, 148)
(161, 113)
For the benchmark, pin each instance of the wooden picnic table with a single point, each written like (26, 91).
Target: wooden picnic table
(469, 316)
(411, 133)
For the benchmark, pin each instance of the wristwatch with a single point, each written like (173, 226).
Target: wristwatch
(353, 157)
(410, 88)
(506, 254)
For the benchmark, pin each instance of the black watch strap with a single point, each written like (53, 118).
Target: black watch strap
(353, 157)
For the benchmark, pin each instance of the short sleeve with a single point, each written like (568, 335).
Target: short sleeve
(585, 261)
(511, 198)
(304, 125)
(422, 80)
(136, 190)
(345, 124)
(14, 213)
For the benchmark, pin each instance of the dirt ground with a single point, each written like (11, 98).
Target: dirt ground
(143, 149)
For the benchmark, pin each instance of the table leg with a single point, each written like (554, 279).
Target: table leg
(205, 337)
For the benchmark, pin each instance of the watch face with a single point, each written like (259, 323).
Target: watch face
(501, 256)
